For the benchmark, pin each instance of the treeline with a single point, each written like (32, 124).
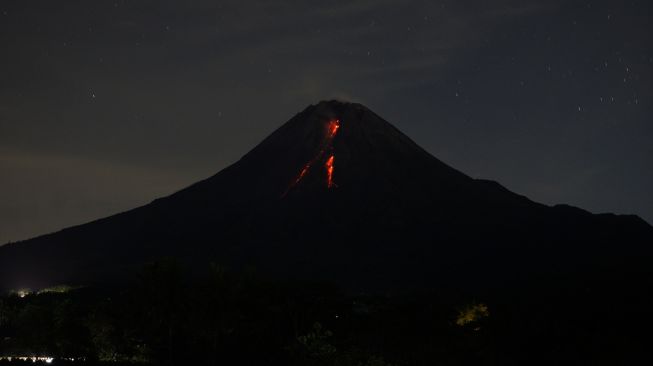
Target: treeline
(167, 317)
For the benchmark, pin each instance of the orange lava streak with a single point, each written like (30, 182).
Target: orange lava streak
(329, 168)
(334, 125)
(327, 145)
(303, 173)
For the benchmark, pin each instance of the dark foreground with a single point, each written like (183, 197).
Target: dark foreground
(163, 317)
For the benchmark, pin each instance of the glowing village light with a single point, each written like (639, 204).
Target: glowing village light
(22, 293)
(34, 359)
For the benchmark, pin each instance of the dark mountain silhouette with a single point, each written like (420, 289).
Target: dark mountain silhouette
(339, 194)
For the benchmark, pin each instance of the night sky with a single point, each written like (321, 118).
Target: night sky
(106, 105)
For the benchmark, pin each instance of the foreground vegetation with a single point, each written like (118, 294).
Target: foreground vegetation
(164, 317)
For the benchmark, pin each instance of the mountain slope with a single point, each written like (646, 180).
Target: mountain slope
(339, 194)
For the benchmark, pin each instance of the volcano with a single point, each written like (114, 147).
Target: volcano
(338, 194)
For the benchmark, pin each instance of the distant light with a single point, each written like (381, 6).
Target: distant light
(45, 359)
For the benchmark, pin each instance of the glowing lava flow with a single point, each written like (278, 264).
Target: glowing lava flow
(333, 129)
(329, 168)
(301, 175)
(327, 146)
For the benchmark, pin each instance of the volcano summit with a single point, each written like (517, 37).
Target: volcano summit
(338, 194)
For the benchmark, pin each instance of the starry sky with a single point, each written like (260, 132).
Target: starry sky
(106, 105)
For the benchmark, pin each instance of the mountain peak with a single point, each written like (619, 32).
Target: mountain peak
(339, 145)
(338, 104)
(336, 193)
